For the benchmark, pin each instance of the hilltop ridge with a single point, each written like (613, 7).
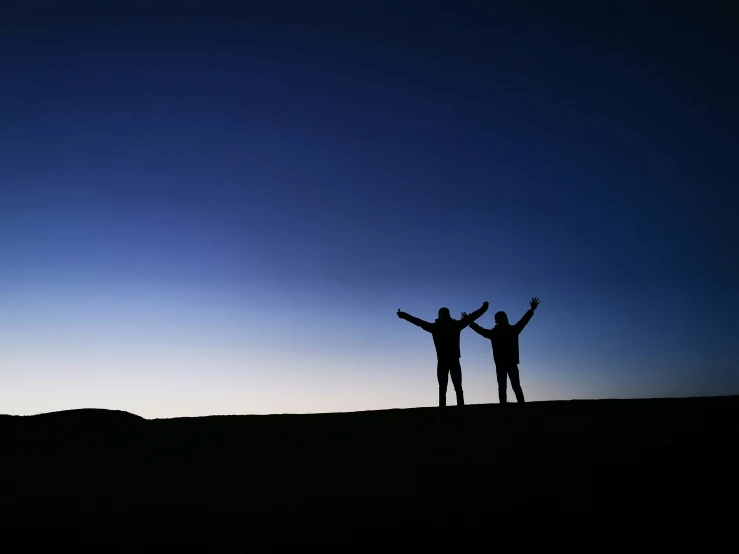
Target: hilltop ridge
(379, 477)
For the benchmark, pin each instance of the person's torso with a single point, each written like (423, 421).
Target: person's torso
(505, 344)
(446, 339)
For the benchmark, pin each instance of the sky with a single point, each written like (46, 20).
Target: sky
(218, 208)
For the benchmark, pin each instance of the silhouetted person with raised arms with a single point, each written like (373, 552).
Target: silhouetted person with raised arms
(445, 332)
(504, 338)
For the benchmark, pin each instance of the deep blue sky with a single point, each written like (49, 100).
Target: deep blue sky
(219, 210)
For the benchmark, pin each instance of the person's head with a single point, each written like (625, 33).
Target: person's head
(444, 313)
(501, 318)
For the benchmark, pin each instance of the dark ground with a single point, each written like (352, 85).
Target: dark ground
(608, 471)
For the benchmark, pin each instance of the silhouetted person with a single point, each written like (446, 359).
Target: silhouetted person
(504, 338)
(445, 332)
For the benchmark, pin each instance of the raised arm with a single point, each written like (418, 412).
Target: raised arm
(470, 318)
(527, 316)
(425, 325)
(487, 333)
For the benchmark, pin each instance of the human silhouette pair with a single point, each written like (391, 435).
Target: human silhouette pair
(446, 332)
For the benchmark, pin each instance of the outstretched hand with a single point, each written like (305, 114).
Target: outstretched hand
(464, 314)
(485, 304)
(534, 303)
(400, 314)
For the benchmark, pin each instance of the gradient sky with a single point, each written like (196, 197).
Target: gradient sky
(219, 210)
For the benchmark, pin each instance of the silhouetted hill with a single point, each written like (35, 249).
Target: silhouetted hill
(374, 480)
(81, 417)
(68, 430)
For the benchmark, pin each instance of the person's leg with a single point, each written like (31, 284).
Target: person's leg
(502, 377)
(456, 372)
(442, 374)
(516, 383)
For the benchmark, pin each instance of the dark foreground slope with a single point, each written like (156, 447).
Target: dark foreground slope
(374, 479)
